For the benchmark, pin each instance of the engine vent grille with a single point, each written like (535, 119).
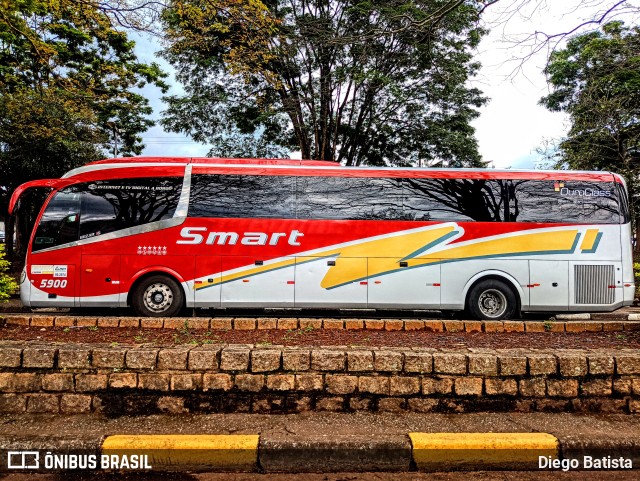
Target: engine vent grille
(592, 284)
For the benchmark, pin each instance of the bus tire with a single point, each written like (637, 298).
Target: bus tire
(157, 296)
(492, 300)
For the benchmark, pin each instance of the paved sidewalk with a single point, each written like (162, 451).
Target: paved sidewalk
(330, 442)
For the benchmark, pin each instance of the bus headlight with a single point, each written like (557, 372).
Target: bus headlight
(23, 275)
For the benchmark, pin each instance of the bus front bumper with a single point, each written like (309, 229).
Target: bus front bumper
(25, 289)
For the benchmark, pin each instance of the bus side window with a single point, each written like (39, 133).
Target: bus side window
(601, 208)
(539, 201)
(353, 198)
(457, 200)
(60, 222)
(242, 196)
(99, 214)
(112, 205)
(623, 202)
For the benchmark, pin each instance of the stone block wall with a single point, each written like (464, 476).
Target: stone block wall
(73, 378)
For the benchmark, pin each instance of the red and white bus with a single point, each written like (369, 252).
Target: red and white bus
(161, 234)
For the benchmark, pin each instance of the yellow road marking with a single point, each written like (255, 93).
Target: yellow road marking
(229, 452)
(433, 449)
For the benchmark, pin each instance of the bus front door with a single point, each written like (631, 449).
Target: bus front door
(54, 257)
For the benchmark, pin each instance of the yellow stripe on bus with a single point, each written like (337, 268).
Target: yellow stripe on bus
(418, 249)
(541, 242)
(589, 239)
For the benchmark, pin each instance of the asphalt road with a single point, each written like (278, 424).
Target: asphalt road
(458, 476)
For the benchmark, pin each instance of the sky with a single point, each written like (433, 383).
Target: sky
(511, 126)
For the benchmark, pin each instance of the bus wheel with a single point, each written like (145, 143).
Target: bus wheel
(492, 300)
(157, 296)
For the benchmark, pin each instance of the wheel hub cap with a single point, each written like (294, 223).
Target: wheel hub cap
(492, 303)
(158, 297)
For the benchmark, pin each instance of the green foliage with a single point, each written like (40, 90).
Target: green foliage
(378, 82)
(596, 80)
(43, 134)
(8, 284)
(67, 77)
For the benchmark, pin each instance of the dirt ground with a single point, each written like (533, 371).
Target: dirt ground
(322, 337)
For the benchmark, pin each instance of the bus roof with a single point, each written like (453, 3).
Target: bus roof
(169, 166)
(132, 167)
(213, 161)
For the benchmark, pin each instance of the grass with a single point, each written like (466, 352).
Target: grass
(293, 333)
(183, 335)
(187, 335)
(140, 337)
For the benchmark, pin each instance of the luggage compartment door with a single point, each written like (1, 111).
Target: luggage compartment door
(257, 283)
(338, 282)
(406, 286)
(549, 285)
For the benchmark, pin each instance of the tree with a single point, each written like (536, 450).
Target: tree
(596, 80)
(67, 78)
(283, 75)
(578, 17)
(8, 285)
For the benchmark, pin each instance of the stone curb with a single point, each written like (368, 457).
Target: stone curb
(277, 453)
(563, 323)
